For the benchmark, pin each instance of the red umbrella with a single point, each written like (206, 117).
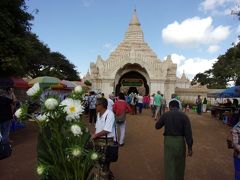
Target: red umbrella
(10, 82)
(19, 82)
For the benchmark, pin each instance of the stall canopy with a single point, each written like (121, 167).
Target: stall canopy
(13, 82)
(230, 92)
(45, 81)
(69, 84)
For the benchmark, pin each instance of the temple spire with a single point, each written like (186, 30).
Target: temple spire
(135, 20)
(183, 75)
(134, 32)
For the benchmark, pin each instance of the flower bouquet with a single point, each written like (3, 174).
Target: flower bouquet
(63, 137)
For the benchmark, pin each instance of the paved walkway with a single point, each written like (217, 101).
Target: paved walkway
(142, 155)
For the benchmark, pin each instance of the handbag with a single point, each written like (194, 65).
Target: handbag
(5, 150)
(121, 118)
(112, 152)
(112, 149)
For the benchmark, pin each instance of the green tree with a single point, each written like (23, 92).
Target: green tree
(88, 83)
(37, 56)
(41, 61)
(59, 66)
(225, 70)
(14, 25)
(21, 52)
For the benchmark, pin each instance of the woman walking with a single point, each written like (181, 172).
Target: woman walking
(120, 108)
(236, 146)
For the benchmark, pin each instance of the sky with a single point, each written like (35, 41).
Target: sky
(194, 32)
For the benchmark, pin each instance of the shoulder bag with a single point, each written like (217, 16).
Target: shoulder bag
(112, 149)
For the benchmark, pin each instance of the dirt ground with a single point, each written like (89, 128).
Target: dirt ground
(142, 155)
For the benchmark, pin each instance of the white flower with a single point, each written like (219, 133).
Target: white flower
(76, 130)
(41, 117)
(78, 89)
(76, 152)
(70, 117)
(40, 169)
(73, 108)
(33, 90)
(51, 103)
(19, 113)
(94, 156)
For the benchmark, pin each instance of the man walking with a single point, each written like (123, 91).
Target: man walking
(177, 130)
(105, 120)
(105, 128)
(157, 103)
(92, 108)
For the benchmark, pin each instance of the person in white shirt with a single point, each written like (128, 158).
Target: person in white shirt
(110, 103)
(105, 124)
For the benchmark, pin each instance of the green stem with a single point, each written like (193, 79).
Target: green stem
(58, 139)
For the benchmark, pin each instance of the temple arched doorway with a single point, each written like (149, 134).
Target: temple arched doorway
(132, 82)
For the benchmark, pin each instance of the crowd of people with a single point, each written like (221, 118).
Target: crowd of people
(111, 114)
(177, 126)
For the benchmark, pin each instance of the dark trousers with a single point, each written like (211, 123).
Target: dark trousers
(237, 168)
(5, 129)
(199, 108)
(92, 115)
(174, 157)
(140, 107)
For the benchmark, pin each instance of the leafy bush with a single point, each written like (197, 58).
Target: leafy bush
(88, 83)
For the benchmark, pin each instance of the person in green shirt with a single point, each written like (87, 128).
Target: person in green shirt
(157, 103)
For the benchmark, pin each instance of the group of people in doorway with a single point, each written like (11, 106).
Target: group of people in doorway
(177, 133)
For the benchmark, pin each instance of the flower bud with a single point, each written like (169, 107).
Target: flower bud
(78, 89)
(94, 156)
(51, 103)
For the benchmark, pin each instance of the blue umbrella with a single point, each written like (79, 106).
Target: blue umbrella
(231, 92)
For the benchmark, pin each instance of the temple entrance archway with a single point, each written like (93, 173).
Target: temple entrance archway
(132, 90)
(132, 78)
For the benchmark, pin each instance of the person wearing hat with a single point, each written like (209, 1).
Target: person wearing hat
(177, 131)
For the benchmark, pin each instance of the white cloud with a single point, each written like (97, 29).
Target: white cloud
(178, 59)
(110, 47)
(193, 32)
(191, 66)
(107, 45)
(208, 5)
(213, 48)
(219, 7)
(236, 41)
(238, 29)
(87, 3)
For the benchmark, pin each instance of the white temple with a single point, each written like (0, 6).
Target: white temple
(134, 67)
